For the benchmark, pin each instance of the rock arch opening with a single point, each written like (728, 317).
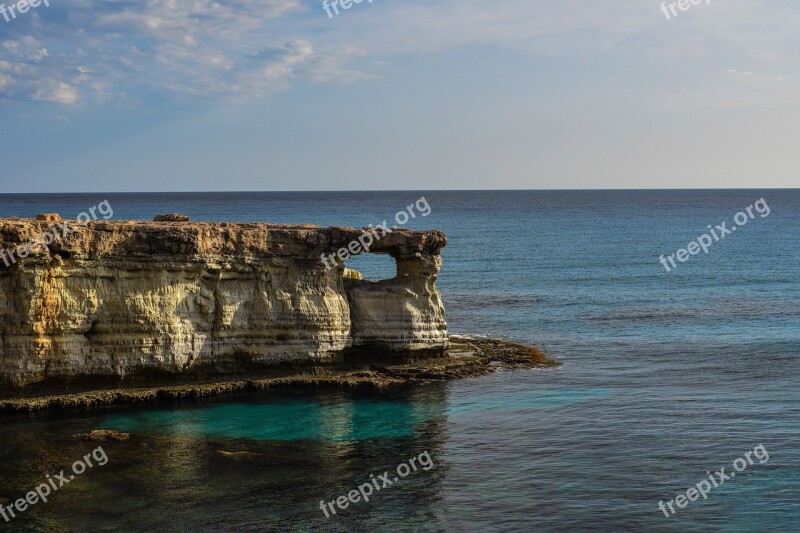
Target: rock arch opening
(372, 266)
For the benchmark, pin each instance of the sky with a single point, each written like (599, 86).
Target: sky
(245, 95)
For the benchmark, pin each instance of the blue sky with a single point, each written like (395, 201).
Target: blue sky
(196, 95)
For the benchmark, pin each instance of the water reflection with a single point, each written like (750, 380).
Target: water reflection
(259, 463)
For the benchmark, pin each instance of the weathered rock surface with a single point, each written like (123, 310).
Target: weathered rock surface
(123, 298)
(171, 217)
(464, 358)
(104, 435)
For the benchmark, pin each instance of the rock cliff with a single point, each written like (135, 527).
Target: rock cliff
(126, 298)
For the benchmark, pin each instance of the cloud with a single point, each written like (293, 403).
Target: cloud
(57, 92)
(87, 51)
(128, 50)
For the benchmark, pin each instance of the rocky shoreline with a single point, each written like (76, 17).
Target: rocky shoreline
(466, 357)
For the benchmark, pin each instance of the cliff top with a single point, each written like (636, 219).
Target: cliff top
(139, 238)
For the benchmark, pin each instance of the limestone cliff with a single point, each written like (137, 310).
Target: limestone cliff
(127, 298)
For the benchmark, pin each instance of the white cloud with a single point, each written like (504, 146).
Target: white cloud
(196, 48)
(57, 92)
(247, 48)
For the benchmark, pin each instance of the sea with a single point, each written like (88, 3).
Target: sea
(666, 377)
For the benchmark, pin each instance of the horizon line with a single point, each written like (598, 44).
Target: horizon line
(412, 190)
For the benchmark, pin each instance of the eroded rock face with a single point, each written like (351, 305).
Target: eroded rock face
(125, 298)
(171, 217)
(404, 313)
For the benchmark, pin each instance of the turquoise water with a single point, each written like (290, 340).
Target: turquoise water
(665, 375)
(314, 420)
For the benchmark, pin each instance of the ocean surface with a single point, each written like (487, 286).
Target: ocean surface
(664, 376)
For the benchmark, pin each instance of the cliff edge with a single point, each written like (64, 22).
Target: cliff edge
(126, 298)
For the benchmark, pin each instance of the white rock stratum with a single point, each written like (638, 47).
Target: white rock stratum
(126, 298)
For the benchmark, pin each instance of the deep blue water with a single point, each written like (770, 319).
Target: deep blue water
(665, 375)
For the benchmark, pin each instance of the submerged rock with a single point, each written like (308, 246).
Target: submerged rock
(238, 455)
(105, 435)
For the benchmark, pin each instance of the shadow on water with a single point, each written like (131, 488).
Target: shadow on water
(232, 465)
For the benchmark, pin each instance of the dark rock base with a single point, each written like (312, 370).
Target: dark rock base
(465, 358)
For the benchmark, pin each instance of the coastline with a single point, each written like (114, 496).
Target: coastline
(465, 358)
(116, 299)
